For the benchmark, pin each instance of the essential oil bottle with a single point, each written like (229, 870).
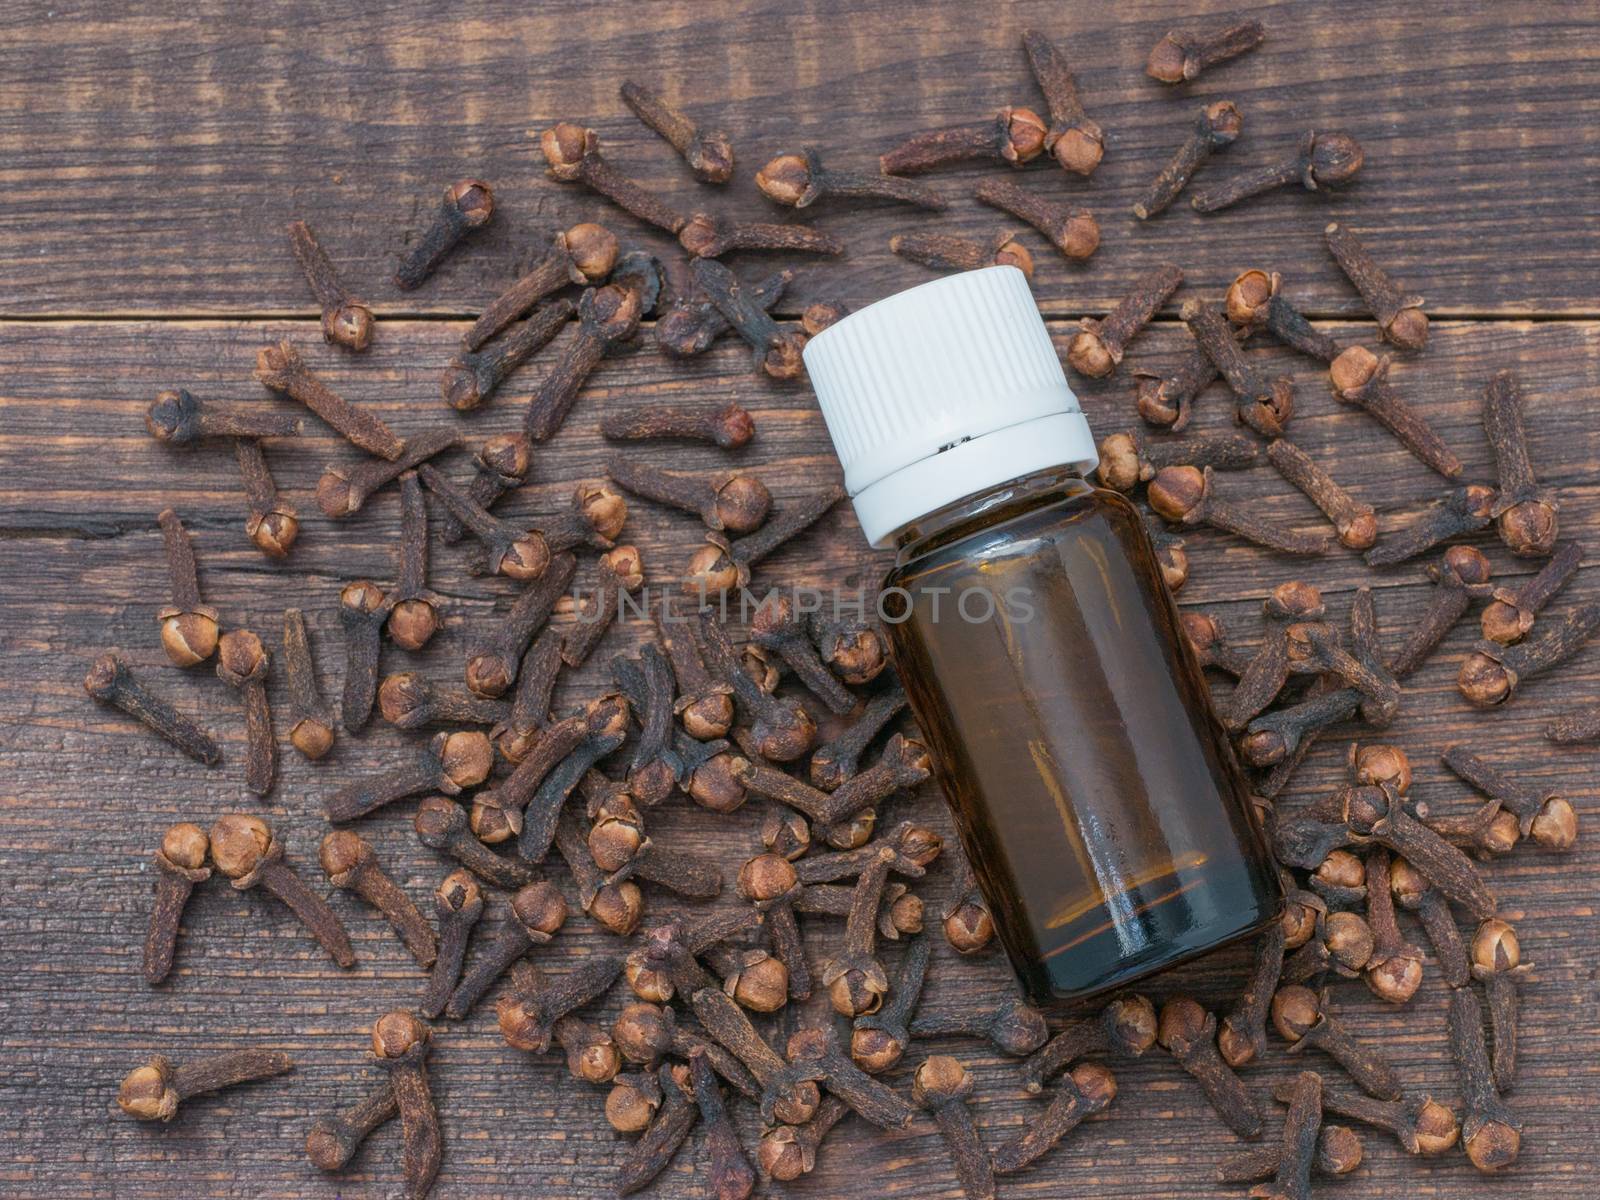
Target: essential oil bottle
(1094, 791)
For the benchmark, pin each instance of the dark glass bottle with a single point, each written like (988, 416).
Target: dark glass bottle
(1094, 791)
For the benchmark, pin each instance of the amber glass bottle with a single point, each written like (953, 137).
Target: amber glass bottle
(1093, 789)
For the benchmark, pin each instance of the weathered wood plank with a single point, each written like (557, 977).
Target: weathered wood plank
(152, 157)
(87, 797)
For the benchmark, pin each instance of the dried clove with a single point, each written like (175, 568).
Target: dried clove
(721, 566)
(1509, 615)
(1181, 55)
(633, 1102)
(915, 848)
(853, 646)
(310, 718)
(607, 316)
(1497, 964)
(242, 664)
(413, 608)
(1376, 813)
(1187, 496)
(1298, 1151)
(1338, 1152)
(1355, 522)
(707, 237)
(467, 205)
(1314, 649)
(573, 154)
(1013, 136)
(947, 252)
(1125, 1028)
(1265, 407)
(449, 763)
(188, 627)
(1097, 348)
(243, 849)
(111, 682)
(648, 683)
(837, 761)
(538, 912)
(472, 376)
(154, 1091)
(1462, 574)
(879, 1039)
(1255, 301)
(272, 524)
(1413, 893)
(1088, 1089)
(1341, 880)
(778, 628)
(363, 608)
(503, 463)
(528, 1015)
(1490, 1132)
(1073, 140)
(1525, 514)
(497, 812)
(280, 369)
(779, 730)
(1400, 316)
(1301, 1018)
(520, 554)
(967, 922)
(855, 979)
(788, 1094)
(400, 1042)
(409, 701)
(1548, 817)
(1242, 1036)
(1168, 402)
(1211, 646)
(181, 861)
(731, 1175)
(332, 1141)
(591, 1054)
(605, 728)
(179, 418)
(817, 1053)
(1459, 511)
(776, 351)
(1321, 161)
(1267, 671)
(1491, 674)
(1073, 231)
(1360, 378)
(1216, 128)
(493, 662)
(1188, 1033)
(644, 1032)
(688, 328)
(345, 321)
(1487, 832)
(1127, 459)
(349, 863)
(941, 1086)
(1011, 1026)
(727, 426)
(787, 1152)
(458, 900)
(708, 152)
(618, 571)
(727, 500)
(1420, 1124)
(800, 180)
(668, 1128)
(584, 254)
(769, 881)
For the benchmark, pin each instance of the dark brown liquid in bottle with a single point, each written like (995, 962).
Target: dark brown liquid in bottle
(1094, 791)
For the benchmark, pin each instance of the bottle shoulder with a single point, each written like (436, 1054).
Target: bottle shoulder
(1021, 517)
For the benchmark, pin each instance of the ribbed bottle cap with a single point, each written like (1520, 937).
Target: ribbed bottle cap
(942, 391)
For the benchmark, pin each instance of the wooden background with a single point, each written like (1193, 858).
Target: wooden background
(148, 165)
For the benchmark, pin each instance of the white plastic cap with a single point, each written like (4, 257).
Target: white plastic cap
(942, 391)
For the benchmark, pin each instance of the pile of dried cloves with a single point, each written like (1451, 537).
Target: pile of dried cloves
(801, 710)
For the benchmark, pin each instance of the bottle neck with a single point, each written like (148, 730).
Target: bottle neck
(994, 503)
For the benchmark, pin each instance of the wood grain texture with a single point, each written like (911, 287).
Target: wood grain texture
(151, 157)
(150, 163)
